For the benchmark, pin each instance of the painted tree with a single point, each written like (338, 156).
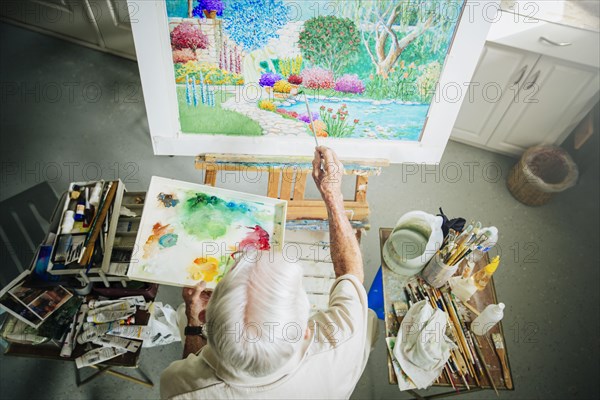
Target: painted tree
(388, 27)
(330, 42)
(252, 23)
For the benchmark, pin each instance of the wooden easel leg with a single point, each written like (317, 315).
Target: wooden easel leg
(210, 177)
(360, 193)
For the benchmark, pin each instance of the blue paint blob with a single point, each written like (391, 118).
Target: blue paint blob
(168, 240)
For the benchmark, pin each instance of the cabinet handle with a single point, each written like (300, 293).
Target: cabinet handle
(535, 78)
(553, 43)
(521, 75)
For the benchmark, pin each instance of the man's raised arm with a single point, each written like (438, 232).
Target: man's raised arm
(345, 251)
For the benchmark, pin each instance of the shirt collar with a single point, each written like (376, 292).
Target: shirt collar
(239, 378)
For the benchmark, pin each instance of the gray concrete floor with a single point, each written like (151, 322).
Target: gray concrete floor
(70, 113)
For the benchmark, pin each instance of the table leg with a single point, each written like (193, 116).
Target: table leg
(101, 370)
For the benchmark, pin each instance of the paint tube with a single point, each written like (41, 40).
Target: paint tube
(142, 332)
(97, 356)
(109, 316)
(136, 300)
(125, 305)
(90, 325)
(118, 342)
(76, 325)
(92, 331)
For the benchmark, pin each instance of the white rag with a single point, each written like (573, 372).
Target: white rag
(422, 347)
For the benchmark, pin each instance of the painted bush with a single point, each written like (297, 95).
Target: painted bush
(426, 82)
(183, 55)
(269, 79)
(330, 42)
(282, 86)
(295, 80)
(267, 105)
(317, 78)
(349, 83)
(188, 36)
(318, 128)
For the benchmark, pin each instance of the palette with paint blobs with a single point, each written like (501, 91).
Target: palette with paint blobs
(188, 232)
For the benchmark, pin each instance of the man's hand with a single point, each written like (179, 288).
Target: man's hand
(196, 300)
(328, 180)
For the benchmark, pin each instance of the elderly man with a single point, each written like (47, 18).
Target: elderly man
(252, 338)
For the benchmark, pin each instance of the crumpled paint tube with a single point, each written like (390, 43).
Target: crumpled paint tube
(135, 300)
(142, 332)
(118, 342)
(90, 331)
(108, 316)
(119, 306)
(69, 344)
(97, 356)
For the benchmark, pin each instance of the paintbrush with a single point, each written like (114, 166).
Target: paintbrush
(484, 364)
(499, 345)
(312, 125)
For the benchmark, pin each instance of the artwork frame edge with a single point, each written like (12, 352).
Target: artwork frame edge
(151, 36)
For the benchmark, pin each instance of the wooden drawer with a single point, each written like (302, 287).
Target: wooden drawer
(578, 45)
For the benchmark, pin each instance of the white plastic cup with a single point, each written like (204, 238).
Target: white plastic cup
(436, 273)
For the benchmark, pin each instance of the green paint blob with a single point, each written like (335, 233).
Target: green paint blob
(209, 217)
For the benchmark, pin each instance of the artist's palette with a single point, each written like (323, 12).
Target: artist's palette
(189, 231)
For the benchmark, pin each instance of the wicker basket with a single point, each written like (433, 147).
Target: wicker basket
(541, 172)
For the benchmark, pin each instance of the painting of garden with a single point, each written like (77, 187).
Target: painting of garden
(337, 69)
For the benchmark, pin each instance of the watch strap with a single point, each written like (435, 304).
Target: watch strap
(195, 331)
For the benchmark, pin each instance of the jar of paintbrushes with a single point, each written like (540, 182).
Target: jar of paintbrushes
(437, 272)
(455, 249)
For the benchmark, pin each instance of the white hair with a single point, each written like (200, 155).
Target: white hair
(258, 314)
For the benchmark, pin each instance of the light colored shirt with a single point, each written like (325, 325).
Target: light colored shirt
(329, 365)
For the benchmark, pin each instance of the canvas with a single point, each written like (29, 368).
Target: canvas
(188, 232)
(265, 76)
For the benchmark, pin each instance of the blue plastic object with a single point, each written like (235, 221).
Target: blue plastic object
(375, 296)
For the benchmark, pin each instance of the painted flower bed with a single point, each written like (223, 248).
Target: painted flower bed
(212, 74)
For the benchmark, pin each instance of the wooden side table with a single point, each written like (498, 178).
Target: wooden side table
(52, 352)
(392, 292)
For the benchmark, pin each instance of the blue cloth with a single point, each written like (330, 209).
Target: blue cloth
(375, 296)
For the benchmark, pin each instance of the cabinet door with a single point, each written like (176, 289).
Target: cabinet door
(500, 72)
(552, 100)
(72, 18)
(113, 19)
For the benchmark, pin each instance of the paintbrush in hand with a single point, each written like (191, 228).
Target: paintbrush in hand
(312, 125)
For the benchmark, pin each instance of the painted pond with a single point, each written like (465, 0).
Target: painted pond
(377, 119)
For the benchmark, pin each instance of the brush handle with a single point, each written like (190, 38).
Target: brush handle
(505, 370)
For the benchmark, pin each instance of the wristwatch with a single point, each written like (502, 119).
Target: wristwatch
(195, 331)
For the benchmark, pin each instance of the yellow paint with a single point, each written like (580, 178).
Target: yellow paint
(204, 268)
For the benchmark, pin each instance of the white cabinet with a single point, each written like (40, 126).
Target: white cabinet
(495, 84)
(533, 84)
(553, 99)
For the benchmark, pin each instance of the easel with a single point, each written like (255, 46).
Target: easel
(287, 181)
(306, 224)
